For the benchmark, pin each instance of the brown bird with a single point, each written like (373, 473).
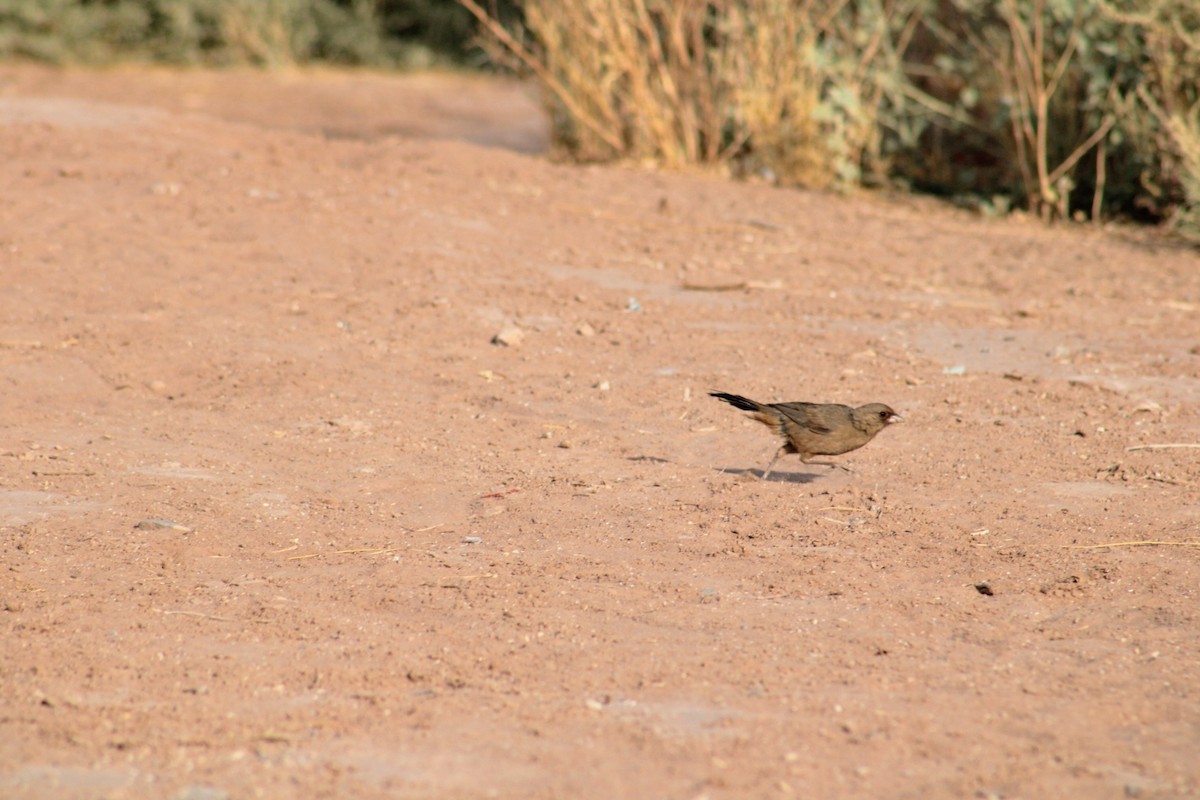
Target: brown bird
(816, 429)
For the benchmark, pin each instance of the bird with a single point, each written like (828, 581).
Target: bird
(816, 429)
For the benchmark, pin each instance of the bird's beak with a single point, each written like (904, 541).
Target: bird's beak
(895, 418)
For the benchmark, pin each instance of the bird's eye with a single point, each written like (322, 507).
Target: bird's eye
(885, 415)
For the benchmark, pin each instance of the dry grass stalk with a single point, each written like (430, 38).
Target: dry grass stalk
(544, 74)
(1140, 543)
(776, 91)
(753, 82)
(1023, 69)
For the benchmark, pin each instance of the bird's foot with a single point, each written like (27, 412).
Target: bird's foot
(830, 464)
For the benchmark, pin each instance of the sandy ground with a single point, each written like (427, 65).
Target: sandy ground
(279, 518)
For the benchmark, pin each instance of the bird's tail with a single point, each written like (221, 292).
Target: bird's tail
(737, 401)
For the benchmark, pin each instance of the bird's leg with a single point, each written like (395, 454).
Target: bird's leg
(781, 451)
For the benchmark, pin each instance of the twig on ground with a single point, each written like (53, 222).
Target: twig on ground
(1162, 446)
(1143, 543)
(349, 552)
(194, 614)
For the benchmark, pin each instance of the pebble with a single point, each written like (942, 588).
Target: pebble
(509, 336)
(472, 540)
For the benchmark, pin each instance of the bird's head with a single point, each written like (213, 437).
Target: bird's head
(874, 417)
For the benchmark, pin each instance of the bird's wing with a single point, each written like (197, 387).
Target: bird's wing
(807, 415)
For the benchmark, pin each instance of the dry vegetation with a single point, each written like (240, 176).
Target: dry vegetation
(1068, 109)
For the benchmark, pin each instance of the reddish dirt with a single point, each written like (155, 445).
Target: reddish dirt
(413, 563)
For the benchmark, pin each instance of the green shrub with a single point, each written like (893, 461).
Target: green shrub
(1162, 122)
(261, 32)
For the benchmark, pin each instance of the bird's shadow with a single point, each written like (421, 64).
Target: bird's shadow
(776, 476)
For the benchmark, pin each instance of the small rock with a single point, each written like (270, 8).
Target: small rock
(603, 386)
(585, 330)
(471, 540)
(509, 336)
